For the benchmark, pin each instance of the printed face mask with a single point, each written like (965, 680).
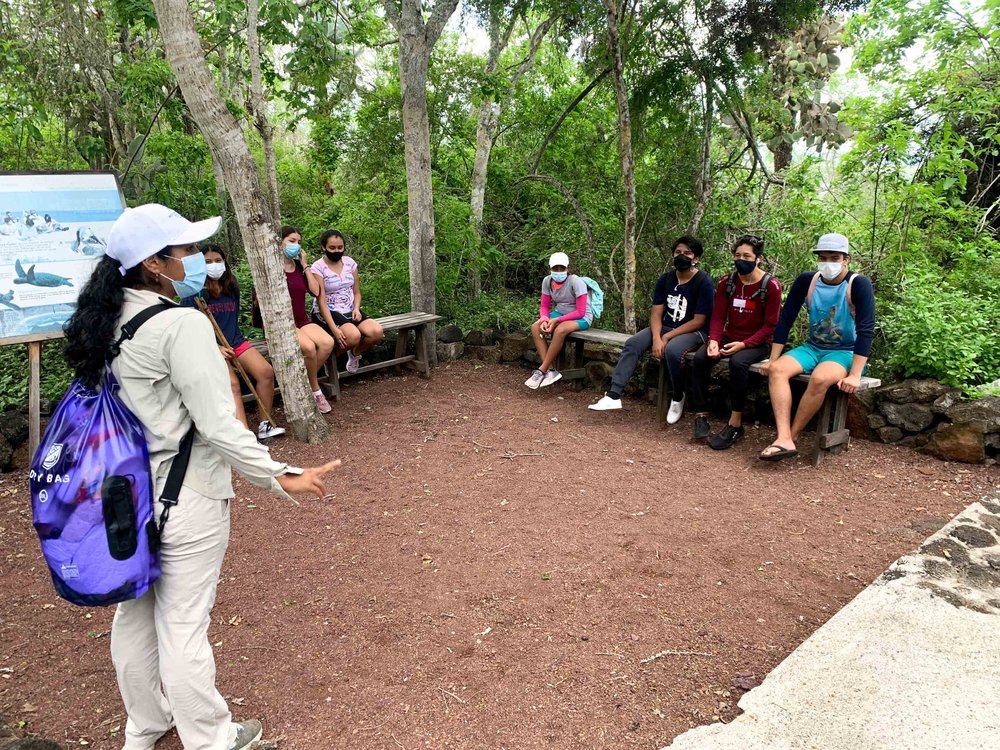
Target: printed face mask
(683, 263)
(215, 270)
(745, 267)
(335, 257)
(830, 271)
(194, 276)
(292, 250)
(559, 276)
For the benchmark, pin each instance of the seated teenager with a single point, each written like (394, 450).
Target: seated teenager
(747, 304)
(315, 343)
(568, 293)
(222, 296)
(841, 307)
(682, 306)
(338, 277)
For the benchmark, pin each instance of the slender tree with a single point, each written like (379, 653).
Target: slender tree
(417, 38)
(241, 176)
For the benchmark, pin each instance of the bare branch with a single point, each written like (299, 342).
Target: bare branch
(533, 167)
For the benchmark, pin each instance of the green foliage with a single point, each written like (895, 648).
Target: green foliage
(943, 331)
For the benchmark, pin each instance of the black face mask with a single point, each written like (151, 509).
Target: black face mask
(745, 267)
(683, 263)
(334, 257)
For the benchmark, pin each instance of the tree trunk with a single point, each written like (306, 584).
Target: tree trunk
(258, 108)
(705, 184)
(416, 40)
(241, 177)
(627, 162)
(782, 157)
(486, 133)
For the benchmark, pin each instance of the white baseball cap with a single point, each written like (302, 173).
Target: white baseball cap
(558, 259)
(833, 243)
(145, 230)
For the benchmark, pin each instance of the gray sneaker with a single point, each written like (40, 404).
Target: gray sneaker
(247, 732)
(550, 377)
(267, 430)
(535, 380)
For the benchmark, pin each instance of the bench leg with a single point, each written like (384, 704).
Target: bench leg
(401, 336)
(333, 378)
(823, 426)
(578, 364)
(423, 351)
(661, 394)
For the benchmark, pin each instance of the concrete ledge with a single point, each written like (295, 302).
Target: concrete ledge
(912, 663)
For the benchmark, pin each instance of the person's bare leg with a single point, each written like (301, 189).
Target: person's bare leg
(234, 384)
(826, 375)
(558, 339)
(780, 387)
(539, 340)
(262, 373)
(371, 333)
(309, 354)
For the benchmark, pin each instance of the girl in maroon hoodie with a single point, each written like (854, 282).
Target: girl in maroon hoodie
(747, 304)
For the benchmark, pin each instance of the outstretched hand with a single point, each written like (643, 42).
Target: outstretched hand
(309, 481)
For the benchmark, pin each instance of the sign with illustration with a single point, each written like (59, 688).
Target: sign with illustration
(53, 230)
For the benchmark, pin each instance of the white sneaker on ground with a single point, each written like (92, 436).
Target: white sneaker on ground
(606, 404)
(535, 380)
(244, 733)
(675, 411)
(550, 377)
(267, 430)
(353, 361)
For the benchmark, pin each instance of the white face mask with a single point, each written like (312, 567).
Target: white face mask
(215, 270)
(830, 271)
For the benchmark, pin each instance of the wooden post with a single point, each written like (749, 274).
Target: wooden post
(34, 396)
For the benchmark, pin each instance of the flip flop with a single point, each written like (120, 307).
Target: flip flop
(779, 455)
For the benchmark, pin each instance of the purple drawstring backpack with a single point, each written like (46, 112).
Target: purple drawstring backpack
(92, 492)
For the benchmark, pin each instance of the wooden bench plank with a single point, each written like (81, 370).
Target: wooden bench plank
(599, 336)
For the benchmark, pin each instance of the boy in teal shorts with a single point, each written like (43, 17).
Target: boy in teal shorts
(841, 307)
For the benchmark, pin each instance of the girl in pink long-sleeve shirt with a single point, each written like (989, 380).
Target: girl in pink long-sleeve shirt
(568, 293)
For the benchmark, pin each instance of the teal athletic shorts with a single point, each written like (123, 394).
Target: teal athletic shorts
(584, 325)
(809, 356)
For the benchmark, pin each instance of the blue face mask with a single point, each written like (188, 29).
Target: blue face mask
(559, 276)
(194, 276)
(292, 250)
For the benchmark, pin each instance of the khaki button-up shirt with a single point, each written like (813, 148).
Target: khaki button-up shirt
(171, 373)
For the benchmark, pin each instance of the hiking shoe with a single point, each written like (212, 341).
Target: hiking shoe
(726, 437)
(606, 404)
(550, 377)
(267, 430)
(701, 428)
(353, 361)
(675, 411)
(247, 732)
(535, 380)
(322, 404)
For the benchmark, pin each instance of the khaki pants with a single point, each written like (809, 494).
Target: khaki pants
(159, 643)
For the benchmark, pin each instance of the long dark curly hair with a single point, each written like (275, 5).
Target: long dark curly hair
(93, 328)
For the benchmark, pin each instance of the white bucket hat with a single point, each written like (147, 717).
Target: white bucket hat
(558, 259)
(145, 230)
(833, 243)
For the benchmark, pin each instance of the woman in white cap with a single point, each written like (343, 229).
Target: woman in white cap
(572, 313)
(172, 376)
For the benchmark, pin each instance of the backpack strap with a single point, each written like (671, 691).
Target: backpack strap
(132, 326)
(175, 478)
(762, 292)
(731, 285)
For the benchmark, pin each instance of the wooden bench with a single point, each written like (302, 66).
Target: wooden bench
(418, 322)
(831, 430)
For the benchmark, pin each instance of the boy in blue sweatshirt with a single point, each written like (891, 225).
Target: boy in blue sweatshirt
(841, 307)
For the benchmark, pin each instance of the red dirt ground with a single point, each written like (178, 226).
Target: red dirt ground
(495, 569)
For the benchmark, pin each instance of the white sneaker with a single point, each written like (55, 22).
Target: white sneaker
(353, 361)
(675, 411)
(606, 404)
(535, 380)
(550, 377)
(267, 430)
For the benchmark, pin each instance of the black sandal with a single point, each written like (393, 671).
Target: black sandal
(779, 455)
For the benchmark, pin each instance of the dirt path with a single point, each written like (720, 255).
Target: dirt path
(496, 569)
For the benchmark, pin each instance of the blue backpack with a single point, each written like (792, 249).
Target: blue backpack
(92, 492)
(595, 296)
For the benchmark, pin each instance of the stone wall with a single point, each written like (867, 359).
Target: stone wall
(931, 417)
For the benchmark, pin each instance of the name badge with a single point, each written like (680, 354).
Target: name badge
(739, 303)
